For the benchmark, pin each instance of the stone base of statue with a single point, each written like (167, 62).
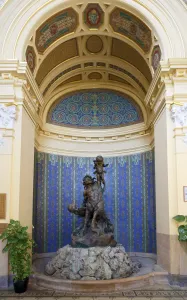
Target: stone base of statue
(95, 263)
(102, 236)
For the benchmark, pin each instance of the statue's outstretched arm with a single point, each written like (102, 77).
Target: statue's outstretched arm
(77, 211)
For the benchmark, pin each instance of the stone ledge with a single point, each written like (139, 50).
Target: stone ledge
(113, 285)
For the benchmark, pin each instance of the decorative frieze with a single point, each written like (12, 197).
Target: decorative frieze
(7, 116)
(179, 114)
(179, 117)
(2, 2)
(120, 137)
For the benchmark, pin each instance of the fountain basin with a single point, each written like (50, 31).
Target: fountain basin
(149, 274)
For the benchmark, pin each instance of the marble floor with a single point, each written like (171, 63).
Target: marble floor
(155, 292)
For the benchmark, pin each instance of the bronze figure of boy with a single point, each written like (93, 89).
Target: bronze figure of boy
(99, 169)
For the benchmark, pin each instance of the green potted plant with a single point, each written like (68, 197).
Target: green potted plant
(182, 229)
(18, 246)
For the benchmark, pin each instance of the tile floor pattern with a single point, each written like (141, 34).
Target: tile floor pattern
(175, 294)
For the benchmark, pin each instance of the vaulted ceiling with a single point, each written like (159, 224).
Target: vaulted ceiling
(93, 43)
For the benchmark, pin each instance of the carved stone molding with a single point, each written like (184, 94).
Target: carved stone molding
(184, 1)
(2, 2)
(7, 116)
(1, 139)
(185, 139)
(179, 114)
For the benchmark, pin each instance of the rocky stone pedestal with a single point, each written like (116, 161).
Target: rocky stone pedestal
(95, 263)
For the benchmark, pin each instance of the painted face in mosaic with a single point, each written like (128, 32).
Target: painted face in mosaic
(156, 60)
(53, 29)
(93, 17)
(30, 60)
(133, 28)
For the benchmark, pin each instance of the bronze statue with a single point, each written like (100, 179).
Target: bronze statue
(99, 171)
(96, 229)
(93, 199)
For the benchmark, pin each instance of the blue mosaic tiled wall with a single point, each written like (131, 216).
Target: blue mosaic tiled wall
(129, 199)
(98, 108)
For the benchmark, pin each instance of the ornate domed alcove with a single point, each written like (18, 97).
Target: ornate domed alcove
(52, 51)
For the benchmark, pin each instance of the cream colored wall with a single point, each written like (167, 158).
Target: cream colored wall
(17, 169)
(16, 176)
(3, 267)
(172, 172)
(166, 193)
(181, 161)
(5, 174)
(5, 187)
(171, 176)
(166, 173)
(22, 169)
(26, 171)
(181, 164)
(161, 171)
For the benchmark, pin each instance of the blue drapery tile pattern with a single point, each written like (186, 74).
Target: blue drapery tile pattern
(129, 199)
(101, 108)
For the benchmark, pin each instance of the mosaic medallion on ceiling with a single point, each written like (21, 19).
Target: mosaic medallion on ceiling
(55, 27)
(93, 15)
(94, 75)
(127, 24)
(155, 57)
(95, 109)
(94, 44)
(31, 58)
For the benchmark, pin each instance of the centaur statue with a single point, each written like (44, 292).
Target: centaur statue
(96, 229)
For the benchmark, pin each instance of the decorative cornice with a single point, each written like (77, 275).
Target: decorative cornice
(93, 151)
(93, 139)
(169, 85)
(21, 89)
(8, 68)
